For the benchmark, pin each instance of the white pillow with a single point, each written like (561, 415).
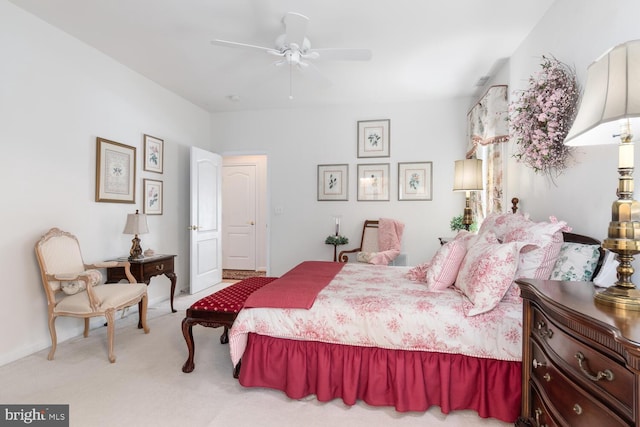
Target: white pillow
(576, 262)
(75, 286)
(608, 274)
(444, 266)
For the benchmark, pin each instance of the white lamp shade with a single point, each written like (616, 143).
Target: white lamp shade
(136, 224)
(468, 175)
(611, 93)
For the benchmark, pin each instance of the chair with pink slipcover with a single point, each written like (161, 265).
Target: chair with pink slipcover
(74, 288)
(370, 249)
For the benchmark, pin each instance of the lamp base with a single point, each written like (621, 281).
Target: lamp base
(620, 297)
(136, 250)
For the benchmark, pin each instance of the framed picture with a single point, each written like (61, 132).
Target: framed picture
(152, 197)
(373, 182)
(373, 138)
(115, 172)
(415, 181)
(333, 182)
(153, 154)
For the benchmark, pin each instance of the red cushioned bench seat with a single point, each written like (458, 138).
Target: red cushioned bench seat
(218, 309)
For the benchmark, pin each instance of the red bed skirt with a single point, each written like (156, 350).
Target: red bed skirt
(407, 380)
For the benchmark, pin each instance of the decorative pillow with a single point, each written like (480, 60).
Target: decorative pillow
(486, 273)
(576, 262)
(501, 224)
(545, 238)
(75, 286)
(445, 265)
(608, 274)
(364, 256)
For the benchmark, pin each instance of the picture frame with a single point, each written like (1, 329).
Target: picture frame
(153, 199)
(415, 181)
(153, 154)
(373, 182)
(333, 182)
(374, 138)
(115, 172)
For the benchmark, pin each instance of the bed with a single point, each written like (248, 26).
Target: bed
(398, 336)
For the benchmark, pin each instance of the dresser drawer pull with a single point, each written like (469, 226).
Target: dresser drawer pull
(577, 409)
(543, 330)
(539, 412)
(547, 377)
(537, 364)
(606, 374)
(160, 267)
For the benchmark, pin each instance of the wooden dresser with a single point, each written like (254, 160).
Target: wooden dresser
(580, 361)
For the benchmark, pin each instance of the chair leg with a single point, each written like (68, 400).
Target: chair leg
(187, 332)
(54, 338)
(111, 320)
(86, 327)
(142, 309)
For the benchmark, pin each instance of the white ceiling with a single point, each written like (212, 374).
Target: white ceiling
(422, 49)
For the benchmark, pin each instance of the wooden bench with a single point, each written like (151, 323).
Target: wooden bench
(218, 309)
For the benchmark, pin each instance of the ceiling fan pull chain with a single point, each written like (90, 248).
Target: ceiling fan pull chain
(290, 81)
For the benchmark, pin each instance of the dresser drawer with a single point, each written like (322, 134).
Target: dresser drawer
(573, 404)
(590, 367)
(158, 267)
(541, 415)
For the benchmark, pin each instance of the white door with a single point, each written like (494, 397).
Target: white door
(239, 217)
(206, 220)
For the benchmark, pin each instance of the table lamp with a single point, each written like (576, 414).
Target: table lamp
(608, 114)
(467, 177)
(136, 224)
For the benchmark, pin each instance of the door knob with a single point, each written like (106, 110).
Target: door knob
(193, 227)
(251, 223)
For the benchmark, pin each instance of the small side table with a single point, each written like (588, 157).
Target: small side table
(144, 269)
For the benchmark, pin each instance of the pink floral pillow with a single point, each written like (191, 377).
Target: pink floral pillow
(486, 274)
(445, 264)
(537, 261)
(501, 224)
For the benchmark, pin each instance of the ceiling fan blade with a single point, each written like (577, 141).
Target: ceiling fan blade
(296, 27)
(226, 43)
(340, 54)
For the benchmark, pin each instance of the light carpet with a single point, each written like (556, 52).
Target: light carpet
(146, 385)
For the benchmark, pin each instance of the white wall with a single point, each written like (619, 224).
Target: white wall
(296, 141)
(576, 33)
(56, 96)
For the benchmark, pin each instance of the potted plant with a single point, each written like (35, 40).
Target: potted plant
(457, 225)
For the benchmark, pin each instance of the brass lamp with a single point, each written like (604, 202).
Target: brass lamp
(609, 111)
(467, 177)
(136, 224)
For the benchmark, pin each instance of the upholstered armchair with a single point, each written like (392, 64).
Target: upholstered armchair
(74, 288)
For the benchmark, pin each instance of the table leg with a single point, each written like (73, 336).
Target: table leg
(172, 276)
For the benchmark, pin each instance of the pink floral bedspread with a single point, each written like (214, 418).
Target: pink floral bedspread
(377, 306)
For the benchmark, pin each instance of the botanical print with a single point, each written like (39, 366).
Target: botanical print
(153, 155)
(152, 197)
(373, 182)
(414, 181)
(116, 172)
(373, 139)
(333, 182)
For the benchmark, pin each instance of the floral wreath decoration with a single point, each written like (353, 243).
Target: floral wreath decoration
(542, 116)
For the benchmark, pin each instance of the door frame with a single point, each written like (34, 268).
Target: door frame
(263, 219)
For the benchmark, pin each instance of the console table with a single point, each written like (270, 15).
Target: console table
(580, 361)
(144, 269)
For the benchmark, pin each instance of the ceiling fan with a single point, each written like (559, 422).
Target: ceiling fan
(294, 48)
